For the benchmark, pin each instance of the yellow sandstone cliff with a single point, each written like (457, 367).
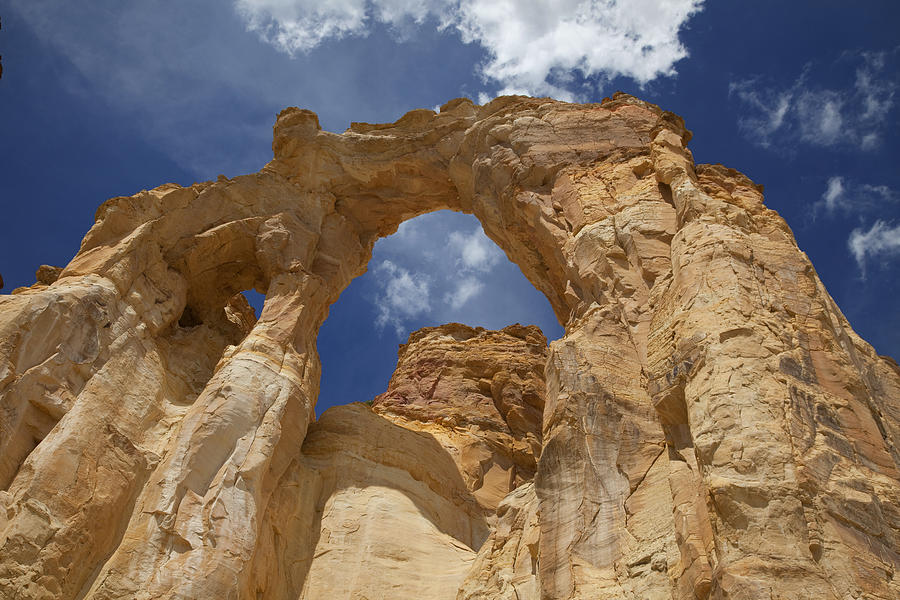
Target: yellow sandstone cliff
(710, 425)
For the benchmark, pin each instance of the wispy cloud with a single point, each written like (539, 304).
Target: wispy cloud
(405, 295)
(820, 117)
(466, 289)
(441, 267)
(834, 194)
(301, 25)
(533, 47)
(882, 240)
(475, 251)
(813, 114)
(848, 197)
(208, 101)
(416, 281)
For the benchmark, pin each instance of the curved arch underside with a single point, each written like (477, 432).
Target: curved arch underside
(713, 427)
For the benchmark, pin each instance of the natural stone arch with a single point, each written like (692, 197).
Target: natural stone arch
(604, 211)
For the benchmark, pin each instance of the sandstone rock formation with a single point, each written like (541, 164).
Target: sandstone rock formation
(398, 499)
(481, 395)
(711, 428)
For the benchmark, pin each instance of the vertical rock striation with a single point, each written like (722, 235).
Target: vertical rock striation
(711, 425)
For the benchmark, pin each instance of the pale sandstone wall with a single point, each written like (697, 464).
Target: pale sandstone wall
(712, 425)
(399, 498)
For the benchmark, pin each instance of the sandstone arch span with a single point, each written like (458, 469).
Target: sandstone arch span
(713, 427)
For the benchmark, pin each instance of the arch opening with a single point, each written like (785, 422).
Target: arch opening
(434, 464)
(437, 268)
(255, 299)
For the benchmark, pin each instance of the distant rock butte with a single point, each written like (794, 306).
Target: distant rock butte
(709, 426)
(481, 395)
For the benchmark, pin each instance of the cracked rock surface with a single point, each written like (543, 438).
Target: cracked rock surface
(709, 425)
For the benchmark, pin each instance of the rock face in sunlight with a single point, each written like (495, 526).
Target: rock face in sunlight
(710, 425)
(481, 395)
(398, 500)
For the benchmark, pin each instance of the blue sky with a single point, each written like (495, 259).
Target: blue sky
(105, 98)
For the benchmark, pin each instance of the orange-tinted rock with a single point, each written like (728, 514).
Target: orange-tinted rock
(47, 274)
(480, 393)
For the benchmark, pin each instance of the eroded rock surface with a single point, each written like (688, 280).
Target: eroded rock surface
(712, 427)
(403, 495)
(481, 395)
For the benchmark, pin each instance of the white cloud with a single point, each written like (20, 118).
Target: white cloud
(852, 198)
(208, 101)
(416, 282)
(441, 268)
(819, 117)
(833, 193)
(301, 25)
(187, 79)
(533, 47)
(854, 115)
(408, 230)
(466, 289)
(869, 141)
(404, 295)
(531, 44)
(476, 252)
(881, 240)
(877, 94)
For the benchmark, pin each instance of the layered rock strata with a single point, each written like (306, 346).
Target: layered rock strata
(712, 426)
(481, 395)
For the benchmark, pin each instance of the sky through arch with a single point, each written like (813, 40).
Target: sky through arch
(438, 268)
